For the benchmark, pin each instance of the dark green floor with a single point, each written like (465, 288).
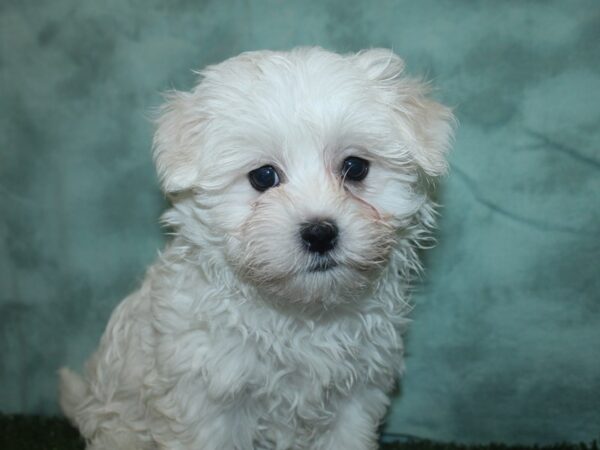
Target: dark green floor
(53, 433)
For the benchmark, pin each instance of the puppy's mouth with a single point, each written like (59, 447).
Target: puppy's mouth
(323, 264)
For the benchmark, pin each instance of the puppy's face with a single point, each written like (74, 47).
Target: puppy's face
(305, 166)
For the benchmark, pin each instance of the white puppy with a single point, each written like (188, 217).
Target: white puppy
(273, 318)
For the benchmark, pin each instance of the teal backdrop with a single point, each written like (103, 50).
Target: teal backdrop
(505, 343)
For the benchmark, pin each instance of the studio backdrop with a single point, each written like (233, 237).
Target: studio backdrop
(505, 339)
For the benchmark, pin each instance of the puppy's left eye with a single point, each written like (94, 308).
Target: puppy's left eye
(263, 178)
(355, 168)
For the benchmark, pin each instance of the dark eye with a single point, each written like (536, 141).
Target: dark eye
(263, 178)
(355, 168)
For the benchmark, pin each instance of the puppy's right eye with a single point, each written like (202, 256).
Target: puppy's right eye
(263, 178)
(355, 168)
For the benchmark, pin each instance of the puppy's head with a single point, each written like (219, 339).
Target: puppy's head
(302, 171)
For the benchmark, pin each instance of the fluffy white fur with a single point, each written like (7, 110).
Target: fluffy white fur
(232, 342)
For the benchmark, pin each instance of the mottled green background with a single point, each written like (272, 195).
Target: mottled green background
(505, 344)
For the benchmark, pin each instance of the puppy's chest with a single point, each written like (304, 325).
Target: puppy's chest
(304, 373)
(296, 366)
(292, 382)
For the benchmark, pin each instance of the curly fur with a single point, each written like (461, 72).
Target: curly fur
(232, 342)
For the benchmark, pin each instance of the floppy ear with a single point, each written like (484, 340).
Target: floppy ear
(427, 124)
(177, 142)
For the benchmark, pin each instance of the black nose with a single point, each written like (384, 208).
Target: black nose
(319, 236)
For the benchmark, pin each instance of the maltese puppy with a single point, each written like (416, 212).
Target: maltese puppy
(273, 319)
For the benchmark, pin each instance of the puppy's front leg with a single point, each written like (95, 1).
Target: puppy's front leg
(220, 432)
(358, 419)
(184, 416)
